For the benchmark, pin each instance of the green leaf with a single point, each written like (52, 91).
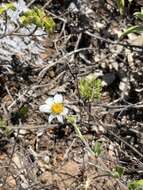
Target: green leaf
(139, 14)
(37, 21)
(97, 149)
(78, 132)
(98, 88)
(132, 29)
(39, 12)
(23, 111)
(2, 10)
(90, 87)
(6, 7)
(118, 172)
(2, 124)
(10, 6)
(38, 17)
(49, 24)
(136, 185)
(121, 6)
(24, 20)
(71, 119)
(6, 130)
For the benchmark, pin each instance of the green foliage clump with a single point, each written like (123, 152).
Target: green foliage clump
(137, 28)
(121, 6)
(38, 17)
(139, 14)
(2, 123)
(7, 6)
(23, 111)
(6, 130)
(35, 16)
(132, 29)
(118, 172)
(20, 115)
(90, 87)
(136, 185)
(97, 148)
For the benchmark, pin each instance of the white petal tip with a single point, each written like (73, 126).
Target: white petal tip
(58, 98)
(44, 108)
(60, 119)
(51, 117)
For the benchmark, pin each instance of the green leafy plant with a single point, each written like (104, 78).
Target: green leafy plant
(3, 126)
(121, 6)
(90, 87)
(139, 14)
(72, 120)
(20, 115)
(2, 123)
(136, 185)
(97, 148)
(6, 6)
(118, 172)
(38, 17)
(21, 15)
(23, 111)
(134, 29)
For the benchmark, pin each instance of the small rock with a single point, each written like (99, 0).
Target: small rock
(94, 128)
(46, 178)
(108, 79)
(11, 182)
(96, 58)
(46, 159)
(103, 65)
(40, 133)
(96, 74)
(98, 129)
(73, 8)
(123, 84)
(22, 132)
(131, 36)
(88, 11)
(99, 25)
(115, 65)
(101, 129)
(130, 59)
(138, 41)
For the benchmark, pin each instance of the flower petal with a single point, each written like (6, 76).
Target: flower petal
(65, 111)
(60, 118)
(51, 117)
(58, 98)
(49, 101)
(45, 108)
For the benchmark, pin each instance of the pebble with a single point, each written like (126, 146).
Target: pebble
(108, 79)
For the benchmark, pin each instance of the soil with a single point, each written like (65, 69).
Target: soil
(36, 155)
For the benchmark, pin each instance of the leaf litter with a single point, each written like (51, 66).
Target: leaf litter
(38, 155)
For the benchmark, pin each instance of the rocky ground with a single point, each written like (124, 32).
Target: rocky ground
(35, 155)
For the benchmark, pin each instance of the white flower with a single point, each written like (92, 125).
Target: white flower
(55, 107)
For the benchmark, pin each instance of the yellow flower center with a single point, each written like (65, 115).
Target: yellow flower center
(57, 108)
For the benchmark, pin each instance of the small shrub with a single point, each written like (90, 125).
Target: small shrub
(90, 87)
(136, 185)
